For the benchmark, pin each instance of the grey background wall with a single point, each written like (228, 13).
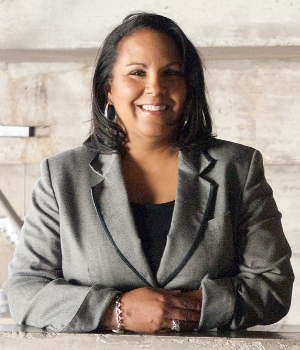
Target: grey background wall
(251, 50)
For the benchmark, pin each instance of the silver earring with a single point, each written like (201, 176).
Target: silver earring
(110, 112)
(185, 123)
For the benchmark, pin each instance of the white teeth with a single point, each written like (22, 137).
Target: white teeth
(154, 108)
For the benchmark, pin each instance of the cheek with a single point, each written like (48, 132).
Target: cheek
(183, 95)
(125, 91)
(179, 93)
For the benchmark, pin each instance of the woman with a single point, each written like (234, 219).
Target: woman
(153, 225)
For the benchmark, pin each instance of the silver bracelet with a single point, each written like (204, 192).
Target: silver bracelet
(120, 324)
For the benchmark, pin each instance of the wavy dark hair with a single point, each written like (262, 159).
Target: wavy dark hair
(195, 129)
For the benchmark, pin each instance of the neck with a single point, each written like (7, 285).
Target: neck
(145, 154)
(150, 148)
(150, 174)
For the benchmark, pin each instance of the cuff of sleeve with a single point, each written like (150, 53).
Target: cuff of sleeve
(218, 300)
(91, 310)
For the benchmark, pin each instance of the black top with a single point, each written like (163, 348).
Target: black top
(153, 223)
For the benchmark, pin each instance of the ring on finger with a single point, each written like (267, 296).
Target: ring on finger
(175, 326)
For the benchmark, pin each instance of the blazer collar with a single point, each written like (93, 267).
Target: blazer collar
(192, 205)
(113, 207)
(193, 201)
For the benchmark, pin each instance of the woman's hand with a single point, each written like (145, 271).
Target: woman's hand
(149, 310)
(193, 294)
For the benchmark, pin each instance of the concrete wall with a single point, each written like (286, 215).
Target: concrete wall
(251, 50)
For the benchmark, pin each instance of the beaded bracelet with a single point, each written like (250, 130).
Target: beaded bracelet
(120, 324)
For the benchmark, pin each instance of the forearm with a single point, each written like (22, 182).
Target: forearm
(248, 299)
(57, 304)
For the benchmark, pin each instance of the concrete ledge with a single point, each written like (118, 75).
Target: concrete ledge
(88, 55)
(27, 338)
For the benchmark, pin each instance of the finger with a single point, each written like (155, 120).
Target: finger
(185, 326)
(193, 294)
(183, 314)
(184, 303)
(170, 291)
(188, 326)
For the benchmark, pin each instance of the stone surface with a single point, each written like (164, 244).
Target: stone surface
(26, 338)
(87, 55)
(55, 95)
(50, 23)
(257, 103)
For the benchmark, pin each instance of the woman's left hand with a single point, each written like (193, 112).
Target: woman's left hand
(194, 294)
(150, 310)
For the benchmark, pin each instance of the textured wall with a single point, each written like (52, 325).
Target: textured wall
(37, 24)
(251, 50)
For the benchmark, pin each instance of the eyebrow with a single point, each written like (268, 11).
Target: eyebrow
(136, 64)
(145, 66)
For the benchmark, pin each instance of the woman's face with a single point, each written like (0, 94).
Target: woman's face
(148, 89)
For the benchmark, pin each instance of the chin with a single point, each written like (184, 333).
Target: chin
(164, 133)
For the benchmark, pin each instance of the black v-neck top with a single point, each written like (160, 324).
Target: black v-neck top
(153, 223)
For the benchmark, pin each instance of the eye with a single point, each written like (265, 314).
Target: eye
(174, 72)
(138, 72)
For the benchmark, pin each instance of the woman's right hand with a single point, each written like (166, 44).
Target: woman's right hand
(149, 310)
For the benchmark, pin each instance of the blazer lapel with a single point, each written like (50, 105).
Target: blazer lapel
(194, 199)
(111, 201)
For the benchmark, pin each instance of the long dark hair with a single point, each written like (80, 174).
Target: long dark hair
(195, 129)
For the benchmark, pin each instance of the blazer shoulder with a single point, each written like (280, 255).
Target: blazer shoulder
(68, 161)
(77, 153)
(229, 151)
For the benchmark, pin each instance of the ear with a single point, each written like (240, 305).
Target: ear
(108, 93)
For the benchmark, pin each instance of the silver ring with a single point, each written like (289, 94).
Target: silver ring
(176, 326)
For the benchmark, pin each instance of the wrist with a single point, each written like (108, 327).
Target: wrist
(118, 315)
(108, 320)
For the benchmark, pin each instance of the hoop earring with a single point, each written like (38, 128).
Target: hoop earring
(110, 112)
(185, 123)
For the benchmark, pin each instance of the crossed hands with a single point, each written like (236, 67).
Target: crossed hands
(152, 310)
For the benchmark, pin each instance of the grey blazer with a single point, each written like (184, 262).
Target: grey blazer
(79, 246)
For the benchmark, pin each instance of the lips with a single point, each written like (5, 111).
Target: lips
(154, 108)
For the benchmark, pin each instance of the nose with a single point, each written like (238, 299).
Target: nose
(155, 85)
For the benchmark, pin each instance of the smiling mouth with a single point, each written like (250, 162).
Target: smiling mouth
(154, 108)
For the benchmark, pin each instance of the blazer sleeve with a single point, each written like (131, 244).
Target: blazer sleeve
(37, 292)
(260, 293)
